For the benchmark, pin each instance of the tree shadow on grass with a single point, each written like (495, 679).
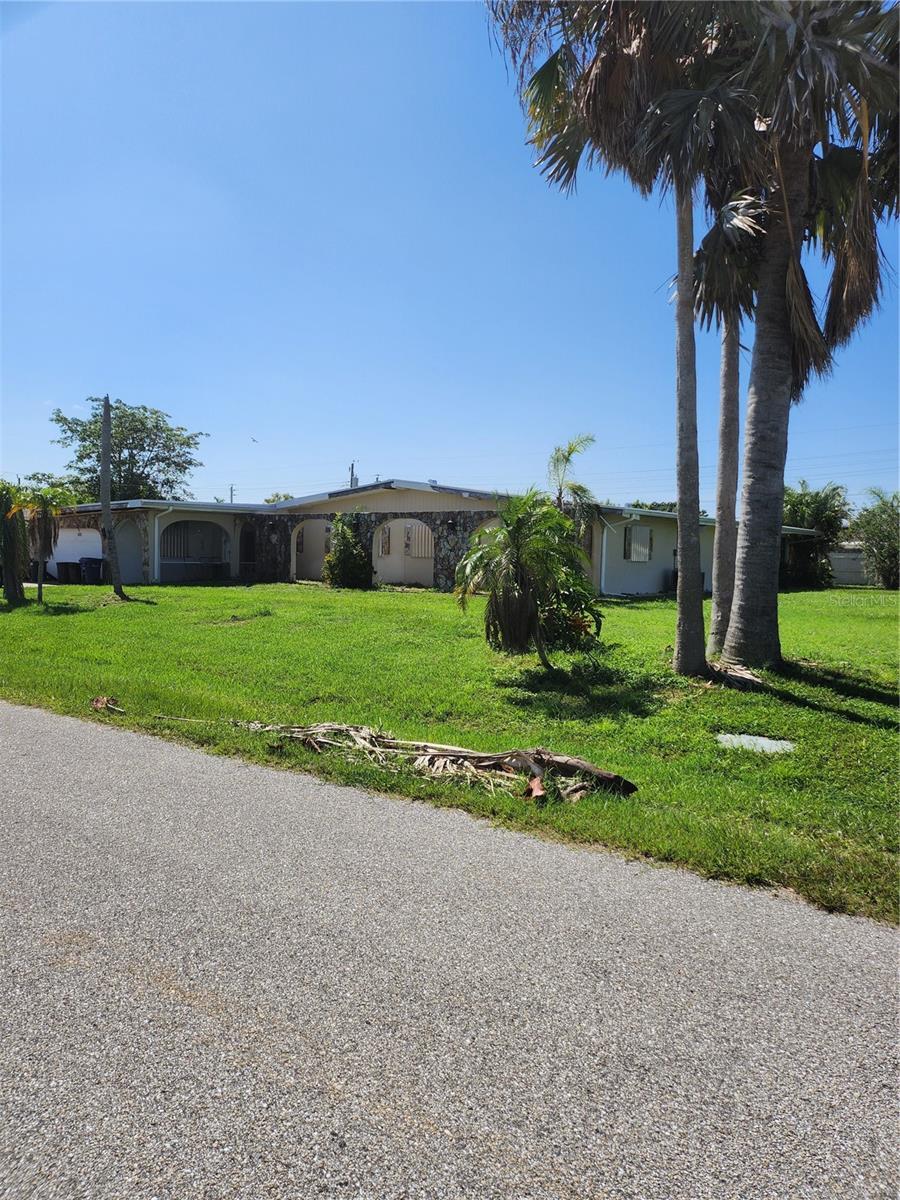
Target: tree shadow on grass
(592, 688)
(66, 608)
(845, 686)
(852, 685)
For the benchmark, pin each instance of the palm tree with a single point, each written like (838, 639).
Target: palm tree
(522, 563)
(566, 491)
(42, 508)
(13, 544)
(724, 291)
(824, 79)
(640, 88)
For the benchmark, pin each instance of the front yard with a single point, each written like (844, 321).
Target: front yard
(821, 820)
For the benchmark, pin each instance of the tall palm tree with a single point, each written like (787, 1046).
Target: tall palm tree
(521, 563)
(640, 88)
(824, 79)
(13, 544)
(566, 491)
(725, 280)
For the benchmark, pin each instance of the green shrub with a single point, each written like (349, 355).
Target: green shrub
(347, 564)
(878, 528)
(571, 618)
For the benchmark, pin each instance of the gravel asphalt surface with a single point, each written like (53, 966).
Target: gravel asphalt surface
(221, 981)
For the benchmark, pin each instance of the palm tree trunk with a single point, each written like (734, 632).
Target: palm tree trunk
(752, 638)
(107, 533)
(690, 657)
(40, 580)
(725, 544)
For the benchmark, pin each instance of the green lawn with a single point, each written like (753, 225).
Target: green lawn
(821, 820)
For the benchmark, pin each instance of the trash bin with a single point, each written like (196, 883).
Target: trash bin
(91, 570)
(68, 572)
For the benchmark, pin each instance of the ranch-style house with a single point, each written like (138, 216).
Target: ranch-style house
(417, 533)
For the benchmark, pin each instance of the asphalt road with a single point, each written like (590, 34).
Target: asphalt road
(220, 980)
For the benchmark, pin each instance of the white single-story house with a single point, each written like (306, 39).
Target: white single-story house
(417, 532)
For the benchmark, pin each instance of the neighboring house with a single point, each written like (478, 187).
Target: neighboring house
(417, 533)
(847, 566)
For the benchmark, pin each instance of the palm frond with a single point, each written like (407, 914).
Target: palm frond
(727, 261)
(810, 351)
(689, 132)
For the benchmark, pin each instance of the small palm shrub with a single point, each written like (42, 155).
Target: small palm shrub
(347, 564)
(532, 567)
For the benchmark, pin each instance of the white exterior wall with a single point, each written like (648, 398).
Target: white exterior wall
(307, 563)
(130, 552)
(74, 544)
(620, 577)
(847, 567)
(398, 566)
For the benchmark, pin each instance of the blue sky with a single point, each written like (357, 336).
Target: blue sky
(317, 226)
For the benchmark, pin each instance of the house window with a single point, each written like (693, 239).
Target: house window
(638, 543)
(419, 540)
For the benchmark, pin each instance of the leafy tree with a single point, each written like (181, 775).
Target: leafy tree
(656, 505)
(827, 511)
(13, 544)
(347, 564)
(568, 494)
(150, 458)
(277, 497)
(878, 528)
(525, 564)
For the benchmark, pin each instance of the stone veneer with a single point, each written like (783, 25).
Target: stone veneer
(451, 531)
(273, 531)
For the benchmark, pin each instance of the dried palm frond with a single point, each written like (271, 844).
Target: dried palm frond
(809, 351)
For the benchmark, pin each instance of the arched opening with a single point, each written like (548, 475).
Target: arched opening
(247, 553)
(489, 523)
(403, 552)
(309, 545)
(194, 552)
(130, 551)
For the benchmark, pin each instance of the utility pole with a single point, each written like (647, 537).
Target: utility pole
(231, 493)
(354, 479)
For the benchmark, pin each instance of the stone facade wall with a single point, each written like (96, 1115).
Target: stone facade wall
(451, 531)
(273, 545)
(273, 531)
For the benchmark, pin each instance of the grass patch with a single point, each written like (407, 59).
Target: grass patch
(821, 821)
